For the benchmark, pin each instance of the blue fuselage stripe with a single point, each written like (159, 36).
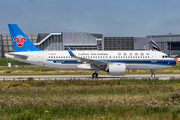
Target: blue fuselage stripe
(169, 62)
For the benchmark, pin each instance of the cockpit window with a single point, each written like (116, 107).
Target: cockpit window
(164, 56)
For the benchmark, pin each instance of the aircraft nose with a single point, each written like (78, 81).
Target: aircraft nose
(173, 62)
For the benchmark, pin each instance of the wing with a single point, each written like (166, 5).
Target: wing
(91, 61)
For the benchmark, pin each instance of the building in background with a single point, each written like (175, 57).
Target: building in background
(140, 43)
(118, 43)
(56, 41)
(7, 45)
(87, 41)
(169, 43)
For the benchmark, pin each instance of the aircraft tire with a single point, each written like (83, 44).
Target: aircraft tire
(152, 75)
(94, 75)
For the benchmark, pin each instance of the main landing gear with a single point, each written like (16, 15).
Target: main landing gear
(152, 73)
(94, 75)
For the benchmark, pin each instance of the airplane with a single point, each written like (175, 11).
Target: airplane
(156, 48)
(113, 62)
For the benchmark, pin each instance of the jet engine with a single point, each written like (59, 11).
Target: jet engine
(116, 69)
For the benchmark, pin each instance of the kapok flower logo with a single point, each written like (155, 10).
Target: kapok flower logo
(19, 40)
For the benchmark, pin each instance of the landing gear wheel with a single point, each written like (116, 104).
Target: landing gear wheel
(153, 75)
(94, 75)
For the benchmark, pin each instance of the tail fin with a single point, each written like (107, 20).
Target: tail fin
(21, 42)
(155, 46)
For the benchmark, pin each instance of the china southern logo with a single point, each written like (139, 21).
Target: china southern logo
(19, 40)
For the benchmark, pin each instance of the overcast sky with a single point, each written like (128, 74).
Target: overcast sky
(112, 18)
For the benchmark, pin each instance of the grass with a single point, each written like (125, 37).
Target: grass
(90, 99)
(5, 61)
(143, 99)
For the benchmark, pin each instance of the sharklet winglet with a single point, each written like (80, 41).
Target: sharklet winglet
(70, 52)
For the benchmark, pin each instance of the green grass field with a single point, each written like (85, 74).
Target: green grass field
(144, 99)
(92, 100)
(5, 61)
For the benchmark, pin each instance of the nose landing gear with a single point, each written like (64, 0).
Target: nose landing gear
(152, 73)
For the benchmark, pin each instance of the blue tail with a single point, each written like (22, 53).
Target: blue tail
(21, 42)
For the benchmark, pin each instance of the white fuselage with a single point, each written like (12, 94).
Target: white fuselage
(62, 59)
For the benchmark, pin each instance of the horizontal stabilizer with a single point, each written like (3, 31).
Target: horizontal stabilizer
(17, 55)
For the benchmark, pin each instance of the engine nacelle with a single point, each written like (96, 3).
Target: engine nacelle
(116, 69)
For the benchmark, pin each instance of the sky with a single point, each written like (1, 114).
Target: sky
(112, 18)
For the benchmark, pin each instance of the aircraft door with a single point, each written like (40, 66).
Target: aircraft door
(153, 57)
(40, 57)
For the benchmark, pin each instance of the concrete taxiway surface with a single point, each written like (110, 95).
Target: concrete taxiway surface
(88, 77)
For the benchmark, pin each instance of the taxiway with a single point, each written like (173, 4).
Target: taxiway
(88, 77)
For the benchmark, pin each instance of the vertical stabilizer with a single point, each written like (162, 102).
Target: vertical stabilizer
(155, 46)
(21, 42)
